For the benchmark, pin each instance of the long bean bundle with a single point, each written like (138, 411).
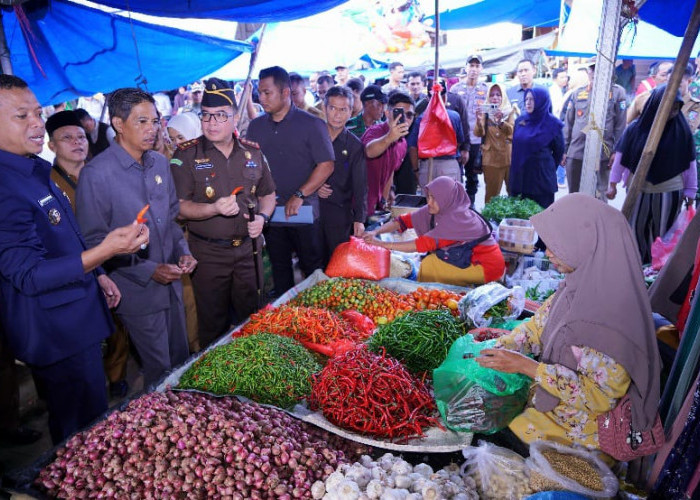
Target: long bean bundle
(266, 368)
(373, 394)
(419, 339)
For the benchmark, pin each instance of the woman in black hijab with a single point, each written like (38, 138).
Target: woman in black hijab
(672, 177)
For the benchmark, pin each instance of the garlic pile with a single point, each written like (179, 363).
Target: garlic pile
(392, 478)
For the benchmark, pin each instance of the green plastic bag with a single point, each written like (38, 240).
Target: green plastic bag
(472, 398)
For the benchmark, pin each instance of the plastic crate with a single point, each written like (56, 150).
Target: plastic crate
(517, 235)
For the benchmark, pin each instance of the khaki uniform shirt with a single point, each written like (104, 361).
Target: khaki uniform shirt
(203, 174)
(577, 119)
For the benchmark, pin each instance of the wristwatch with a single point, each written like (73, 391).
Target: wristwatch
(299, 194)
(265, 217)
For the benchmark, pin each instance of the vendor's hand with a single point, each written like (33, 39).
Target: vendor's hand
(166, 274)
(688, 201)
(227, 206)
(369, 235)
(325, 191)
(611, 192)
(376, 242)
(187, 263)
(292, 206)
(563, 160)
(127, 239)
(110, 290)
(390, 200)
(397, 130)
(255, 227)
(507, 361)
(358, 229)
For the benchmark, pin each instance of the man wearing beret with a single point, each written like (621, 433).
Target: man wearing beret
(207, 171)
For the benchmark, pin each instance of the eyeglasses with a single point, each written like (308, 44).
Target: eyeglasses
(219, 116)
(72, 138)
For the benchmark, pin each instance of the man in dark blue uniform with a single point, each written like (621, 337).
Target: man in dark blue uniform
(52, 292)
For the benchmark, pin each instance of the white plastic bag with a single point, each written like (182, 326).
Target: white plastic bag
(499, 473)
(539, 464)
(474, 306)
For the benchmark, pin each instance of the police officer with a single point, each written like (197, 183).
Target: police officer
(207, 171)
(576, 119)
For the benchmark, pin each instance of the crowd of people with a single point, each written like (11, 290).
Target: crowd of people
(155, 224)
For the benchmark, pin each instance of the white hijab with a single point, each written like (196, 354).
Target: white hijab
(187, 124)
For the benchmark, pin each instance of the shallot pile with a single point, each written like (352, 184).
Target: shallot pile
(189, 445)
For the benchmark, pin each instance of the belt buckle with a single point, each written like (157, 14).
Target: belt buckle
(236, 242)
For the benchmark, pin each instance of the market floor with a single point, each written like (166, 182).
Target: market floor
(34, 415)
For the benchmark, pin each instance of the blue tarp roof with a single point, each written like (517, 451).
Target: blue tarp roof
(245, 11)
(82, 51)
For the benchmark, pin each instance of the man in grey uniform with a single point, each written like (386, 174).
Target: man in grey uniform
(575, 137)
(112, 190)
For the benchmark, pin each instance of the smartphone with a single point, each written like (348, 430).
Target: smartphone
(399, 112)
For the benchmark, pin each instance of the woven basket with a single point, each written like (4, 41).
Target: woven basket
(517, 235)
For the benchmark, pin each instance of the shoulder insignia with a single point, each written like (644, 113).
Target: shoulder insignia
(175, 161)
(250, 143)
(187, 144)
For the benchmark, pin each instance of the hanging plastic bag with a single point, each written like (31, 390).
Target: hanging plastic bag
(662, 248)
(472, 398)
(357, 259)
(436, 136)
(499, 473)
(491, 303)
(554, 466)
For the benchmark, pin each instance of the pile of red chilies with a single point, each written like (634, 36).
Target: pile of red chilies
(373, 394)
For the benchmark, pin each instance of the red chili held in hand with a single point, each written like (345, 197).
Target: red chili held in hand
(236, 190)
(140, 216)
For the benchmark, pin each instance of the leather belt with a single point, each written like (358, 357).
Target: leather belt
(233, 242)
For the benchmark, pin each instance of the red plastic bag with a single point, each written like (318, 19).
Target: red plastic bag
(361, 322)
(685, 307)
(662, 248)
(436, 136)
(357, 259)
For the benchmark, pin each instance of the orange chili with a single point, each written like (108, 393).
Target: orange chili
(140, 216)
(236, 190)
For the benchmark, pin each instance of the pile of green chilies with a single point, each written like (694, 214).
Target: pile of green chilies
(419, 339)
(266, 368)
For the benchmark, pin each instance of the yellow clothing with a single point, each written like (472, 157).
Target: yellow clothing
(434, 270)
(592, 389)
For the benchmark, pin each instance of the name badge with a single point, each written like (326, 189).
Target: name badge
(45, 200)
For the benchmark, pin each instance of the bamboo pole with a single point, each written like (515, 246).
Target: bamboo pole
(691, 34)
(242, 105)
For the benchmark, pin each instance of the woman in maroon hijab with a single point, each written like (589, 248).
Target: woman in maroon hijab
(458, 240)
(594, 338)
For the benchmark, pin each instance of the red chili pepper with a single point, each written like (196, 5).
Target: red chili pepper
(140, 216)
(236, 190)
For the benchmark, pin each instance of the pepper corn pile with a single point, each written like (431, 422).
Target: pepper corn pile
(266, 368)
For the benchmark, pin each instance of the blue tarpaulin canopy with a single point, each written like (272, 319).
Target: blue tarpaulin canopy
(65, 50)
(245, 11)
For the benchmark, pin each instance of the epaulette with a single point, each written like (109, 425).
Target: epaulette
(187, 144)
(247, 142)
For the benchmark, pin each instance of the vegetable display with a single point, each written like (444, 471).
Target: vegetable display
(391, 477)
(305, 324)
(504, 207)
(373, 394)
(341, 294)
(188, 445)
(419, 339)
(266, 368)
(435, 299)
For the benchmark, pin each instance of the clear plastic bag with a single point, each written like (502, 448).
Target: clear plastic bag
(476, 306)
(499, 473)
(472, 398)
(596, 478)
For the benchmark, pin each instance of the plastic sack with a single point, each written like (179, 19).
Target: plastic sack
(475, 306)
(684, 311)
(599, 480)
(357, 259)
(436, 136)
(499, 473)
(471, 398)
(662, 248)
